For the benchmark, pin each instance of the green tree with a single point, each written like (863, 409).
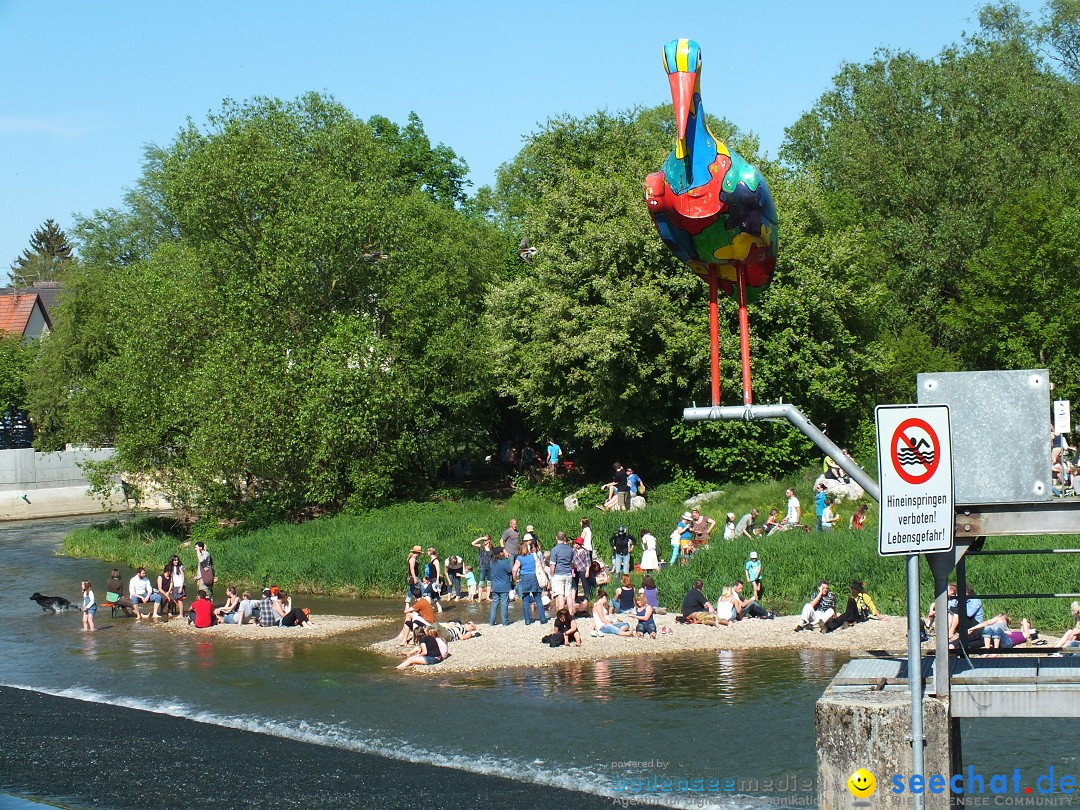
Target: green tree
(46, 258)
(15, 360)
(602, 337)
(940, 165)
(282, 317)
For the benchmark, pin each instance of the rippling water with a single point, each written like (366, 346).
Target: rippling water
(709, 716)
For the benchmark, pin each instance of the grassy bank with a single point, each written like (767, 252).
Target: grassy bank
(365, 554)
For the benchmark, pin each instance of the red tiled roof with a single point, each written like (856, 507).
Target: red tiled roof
(15, 312)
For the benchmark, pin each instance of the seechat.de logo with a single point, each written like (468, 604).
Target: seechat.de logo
(862, 784)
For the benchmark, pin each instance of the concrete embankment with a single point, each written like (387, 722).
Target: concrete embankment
(41, 485)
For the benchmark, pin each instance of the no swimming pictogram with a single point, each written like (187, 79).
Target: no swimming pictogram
(915, 451)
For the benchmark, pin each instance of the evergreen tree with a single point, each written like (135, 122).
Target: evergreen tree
(49, 253)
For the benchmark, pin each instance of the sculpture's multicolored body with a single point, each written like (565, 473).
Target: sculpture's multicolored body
(711, 207)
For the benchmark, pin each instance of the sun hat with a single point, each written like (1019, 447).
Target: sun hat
(753, 555)
(858, 585)
(266, 591)
(529, 528)
(416, 550)
(731, 515)
(686, 516)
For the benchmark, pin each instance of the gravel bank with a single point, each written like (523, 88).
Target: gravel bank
(519, 645)
(319, 627)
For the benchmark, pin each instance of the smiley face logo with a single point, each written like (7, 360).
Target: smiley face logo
(862, 784)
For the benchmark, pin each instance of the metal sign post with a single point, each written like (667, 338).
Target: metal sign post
(916, 517)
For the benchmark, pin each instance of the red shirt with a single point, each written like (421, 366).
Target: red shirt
(204, 612)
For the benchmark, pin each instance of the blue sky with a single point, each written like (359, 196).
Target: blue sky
(86, 85)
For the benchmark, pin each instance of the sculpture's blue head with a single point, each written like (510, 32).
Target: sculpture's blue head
(682, 61)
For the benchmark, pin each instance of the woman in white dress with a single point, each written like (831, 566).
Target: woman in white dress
(649, 561)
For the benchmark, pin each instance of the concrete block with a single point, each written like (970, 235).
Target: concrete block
(872, 730)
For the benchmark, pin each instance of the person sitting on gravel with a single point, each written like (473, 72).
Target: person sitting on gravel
(820, 608)
(643, 612)
(431, 650)
(695, 607)
(201, 612)
(566, 631)
(860, 608)
(1074, 633)
(418, 616)
(624, 595)
(244, 611)
(747, 608)
(232, 604)
(603, 623)
(726, 612)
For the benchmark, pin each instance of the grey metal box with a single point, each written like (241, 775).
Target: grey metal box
(1000, 432)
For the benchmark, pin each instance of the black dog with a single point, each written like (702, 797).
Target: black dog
(53, 604)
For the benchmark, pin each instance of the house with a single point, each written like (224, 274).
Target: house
(23, 313)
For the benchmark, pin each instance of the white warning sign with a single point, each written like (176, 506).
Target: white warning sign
(915, 472)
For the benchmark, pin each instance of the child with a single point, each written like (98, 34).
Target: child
(470, 583)
(858, 519)
(89, 606)
(772, 523)
(729, 526)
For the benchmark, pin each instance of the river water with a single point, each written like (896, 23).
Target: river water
(736, 725)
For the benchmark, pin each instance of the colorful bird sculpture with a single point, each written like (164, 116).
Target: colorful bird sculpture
(711, 207)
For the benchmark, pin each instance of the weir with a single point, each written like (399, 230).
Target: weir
(1002, 486)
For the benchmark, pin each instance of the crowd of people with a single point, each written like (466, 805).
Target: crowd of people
(167, 595)
(969, 628)
(571, 580)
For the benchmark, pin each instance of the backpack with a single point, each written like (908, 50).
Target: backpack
(555, 639)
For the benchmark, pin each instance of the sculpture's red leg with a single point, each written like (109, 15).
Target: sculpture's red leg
(714, 336)
(744, 335)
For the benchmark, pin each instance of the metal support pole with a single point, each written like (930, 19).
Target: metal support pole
(750, 413)
(714, 337)
(914, 658)
(744, 335)
(941, 565)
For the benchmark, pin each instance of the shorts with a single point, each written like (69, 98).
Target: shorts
(562, 585)
(92, 610)
(176, 594)
(229, 618)
(613, 629)
(484, 577)
(431, 659)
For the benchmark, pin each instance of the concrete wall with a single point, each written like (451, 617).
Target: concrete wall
(872, 730)
(38, 485)
(26, 470)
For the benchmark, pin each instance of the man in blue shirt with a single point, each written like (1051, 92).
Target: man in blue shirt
(553, 453)
(819, 505)
(502, 582)
(562, 572)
